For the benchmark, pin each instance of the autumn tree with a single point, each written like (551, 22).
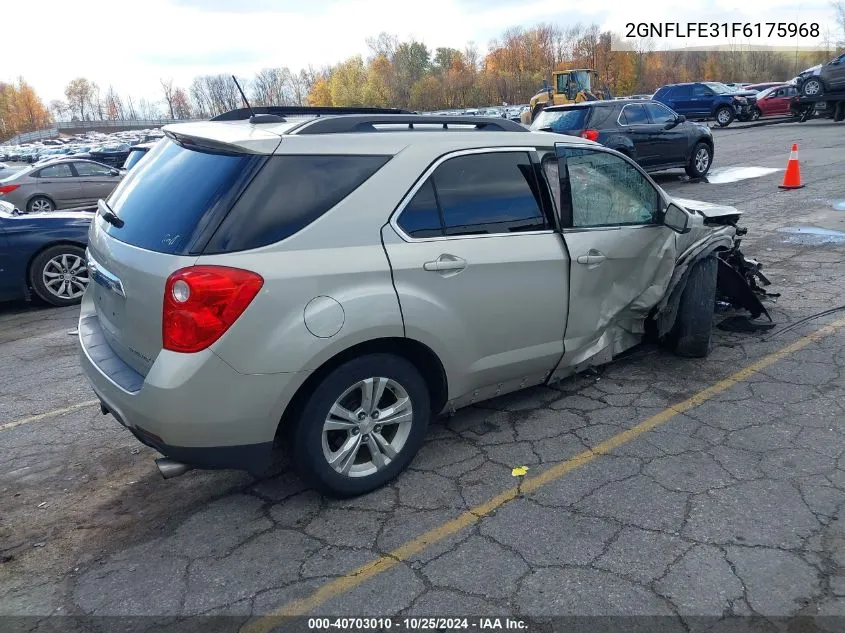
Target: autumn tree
(181, 104)
(78, 94)
(21, 110)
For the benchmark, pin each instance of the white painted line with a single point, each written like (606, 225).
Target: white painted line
(49, 414)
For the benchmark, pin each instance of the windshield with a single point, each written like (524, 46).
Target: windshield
(719, 89)
(582, 79)
(561, 121)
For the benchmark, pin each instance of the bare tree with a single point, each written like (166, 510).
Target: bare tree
(167, 87)
(273, 86)
(839, 12)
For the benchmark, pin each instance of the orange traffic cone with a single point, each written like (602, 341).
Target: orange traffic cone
(792, 177)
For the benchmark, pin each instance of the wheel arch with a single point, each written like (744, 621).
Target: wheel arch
(415, 352)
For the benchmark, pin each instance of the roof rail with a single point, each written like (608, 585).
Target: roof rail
(367, 123)
(242, 114)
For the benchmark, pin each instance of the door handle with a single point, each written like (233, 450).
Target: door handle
(594, 257)
(445, 262)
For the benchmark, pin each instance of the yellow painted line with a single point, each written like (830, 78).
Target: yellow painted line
(266, 623)
(49, 414)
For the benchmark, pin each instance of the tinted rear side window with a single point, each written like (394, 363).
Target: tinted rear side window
(169, 200)
(288, 194)
(421, 217)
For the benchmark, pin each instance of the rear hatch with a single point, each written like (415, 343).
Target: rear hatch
(167, 208)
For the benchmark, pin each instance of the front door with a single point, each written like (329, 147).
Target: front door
(622, 255)
(834, 73)
(479, 271)
(634, 122)
(95, 181)
(670, 138)
(58, 183)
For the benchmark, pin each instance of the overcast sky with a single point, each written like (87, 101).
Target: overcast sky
(130, 45)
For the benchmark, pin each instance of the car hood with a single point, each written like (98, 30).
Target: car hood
(53, 216)
(708, 209)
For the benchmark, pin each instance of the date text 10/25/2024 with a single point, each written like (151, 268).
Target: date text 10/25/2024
(418, 624)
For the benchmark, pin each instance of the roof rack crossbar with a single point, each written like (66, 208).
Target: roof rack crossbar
(242, 114)
(353, 123)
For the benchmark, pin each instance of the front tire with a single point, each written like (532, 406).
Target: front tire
(59, 275)
(813, 87)
(700, 160)
(694, 323)
(725, 116)
(361, 425)
(756, 114)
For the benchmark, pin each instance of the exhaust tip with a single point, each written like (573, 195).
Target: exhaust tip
(170, 469)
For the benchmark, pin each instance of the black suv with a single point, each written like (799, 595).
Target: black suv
(647, 131)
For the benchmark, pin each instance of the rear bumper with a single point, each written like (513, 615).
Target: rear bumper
(193, 408)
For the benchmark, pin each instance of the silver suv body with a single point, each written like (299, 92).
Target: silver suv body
(332, 283)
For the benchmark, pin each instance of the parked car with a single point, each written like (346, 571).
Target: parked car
(111, 154)
(136, 153)
(43, 254)
(60, 184)
(704, 100)
(223, 315)
(647, 131)
(775, 101)
(830, 78)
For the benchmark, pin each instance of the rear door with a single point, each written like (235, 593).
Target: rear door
(622, 255)
(96, 181)
(58, 183)
(476, 261)
(701, 101)
(679, 99)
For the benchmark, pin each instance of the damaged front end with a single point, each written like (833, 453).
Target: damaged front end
(740, 283)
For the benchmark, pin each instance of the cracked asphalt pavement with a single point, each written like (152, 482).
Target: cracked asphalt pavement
(728, 505)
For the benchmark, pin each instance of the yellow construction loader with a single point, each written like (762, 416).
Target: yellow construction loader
(568, 86)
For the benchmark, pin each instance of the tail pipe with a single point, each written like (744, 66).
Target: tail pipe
(170, 468)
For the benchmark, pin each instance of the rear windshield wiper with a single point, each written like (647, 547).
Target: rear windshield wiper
(109, 216)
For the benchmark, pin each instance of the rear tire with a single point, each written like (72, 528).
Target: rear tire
(58, 275)
(313, 445)
(700, 160)
(725, 116)
(40, 204)
(693, 327)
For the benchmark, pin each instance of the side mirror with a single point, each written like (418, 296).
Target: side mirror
(114, 172)
(677, 219)
(681, 118)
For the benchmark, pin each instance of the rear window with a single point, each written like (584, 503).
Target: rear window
(561, 120)
(288, 194)
(170, 201)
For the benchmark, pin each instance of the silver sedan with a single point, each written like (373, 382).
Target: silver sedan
(60, 184)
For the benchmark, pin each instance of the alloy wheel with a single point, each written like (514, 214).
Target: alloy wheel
(41, 206)
(65, 276)
(702, 160)
(367, 427)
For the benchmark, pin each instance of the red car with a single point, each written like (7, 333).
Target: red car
(775, 101)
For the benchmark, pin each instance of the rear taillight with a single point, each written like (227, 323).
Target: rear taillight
(202, 302)
(8, 189)
(590, 135)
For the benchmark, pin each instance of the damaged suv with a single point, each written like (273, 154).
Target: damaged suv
(330, 283)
